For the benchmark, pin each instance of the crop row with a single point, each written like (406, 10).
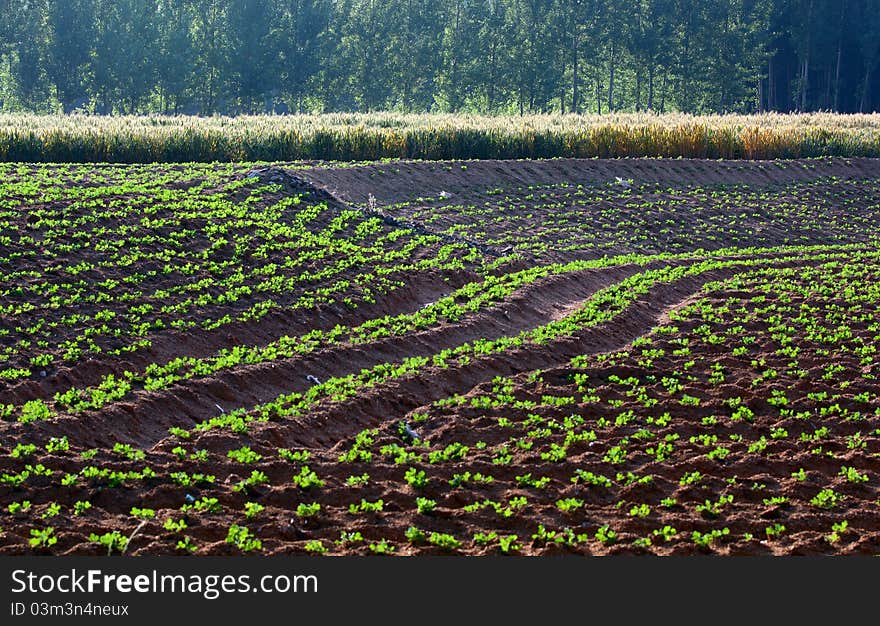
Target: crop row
(452, 308)
(377, 136)
(746, 423)
(223, 260)
(541, 221)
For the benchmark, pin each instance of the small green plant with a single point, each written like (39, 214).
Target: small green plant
(23, 450)
(307, 479)
(567, 505)
(526, 480)
(57, 444)
(774, 530)
(853, 475)
(366, 506)
(381, 547)
(826, 499)
(416, 478)
(68, 479)
(425, 506)
(484, 539)
(414, 535)
(114, 541)
(142, 513)
(294, 456)
(347, 537)
(173, 526)
(256, 478)
(181, 433)
(705, 540)
(837, 529)
(713, 509)
(589, 478)
(19, 507)
(52, 510)
(687, 400)
(357, 481)
(640, 510)
(244, 455)
(243, 539)
(307, 510)
(605, 535)
(444, 541)
(509, 543)
(81, 506)
(186, 544)
(775, 501)
(205, 505)
(252, 509)
(690, 479)
(34, 410)
(666, 533)
(126, 451)
(315, 546)
(43, 538)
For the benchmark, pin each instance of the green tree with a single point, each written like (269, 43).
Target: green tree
(253, 53)
(175, 53)
(70, 28)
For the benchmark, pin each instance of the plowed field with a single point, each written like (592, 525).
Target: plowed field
(638, 356)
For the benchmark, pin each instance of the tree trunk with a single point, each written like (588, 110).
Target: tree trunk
(492, 63)
(663, 92)
(574, 71)
(562, 94)
(684, 78)
(454, 63)
(598, 93)
(836, 107)
(805, 79)
(651, 87)
(827, 98)
(771, 87)
(805, 72)
(866, 88)
(639, 89)
(611, 80)
(760, 95)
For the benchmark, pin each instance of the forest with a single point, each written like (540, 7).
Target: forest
(204, 57)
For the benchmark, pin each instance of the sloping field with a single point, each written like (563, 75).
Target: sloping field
(466, 357)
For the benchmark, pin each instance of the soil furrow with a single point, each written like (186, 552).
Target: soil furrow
(144, 418)
(406, 180)
(329, 423)
(420, 289)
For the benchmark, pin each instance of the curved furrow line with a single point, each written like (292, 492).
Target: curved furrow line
(144, 420)
(328, 423)
(145, 416)
(420, 288)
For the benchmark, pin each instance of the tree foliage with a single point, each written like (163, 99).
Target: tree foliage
(488, 56)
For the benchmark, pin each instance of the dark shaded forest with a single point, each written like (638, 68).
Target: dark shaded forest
(487, 56)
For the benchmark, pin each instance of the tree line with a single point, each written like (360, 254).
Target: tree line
(487, 56)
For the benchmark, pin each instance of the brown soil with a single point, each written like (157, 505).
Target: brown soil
(405, 180)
